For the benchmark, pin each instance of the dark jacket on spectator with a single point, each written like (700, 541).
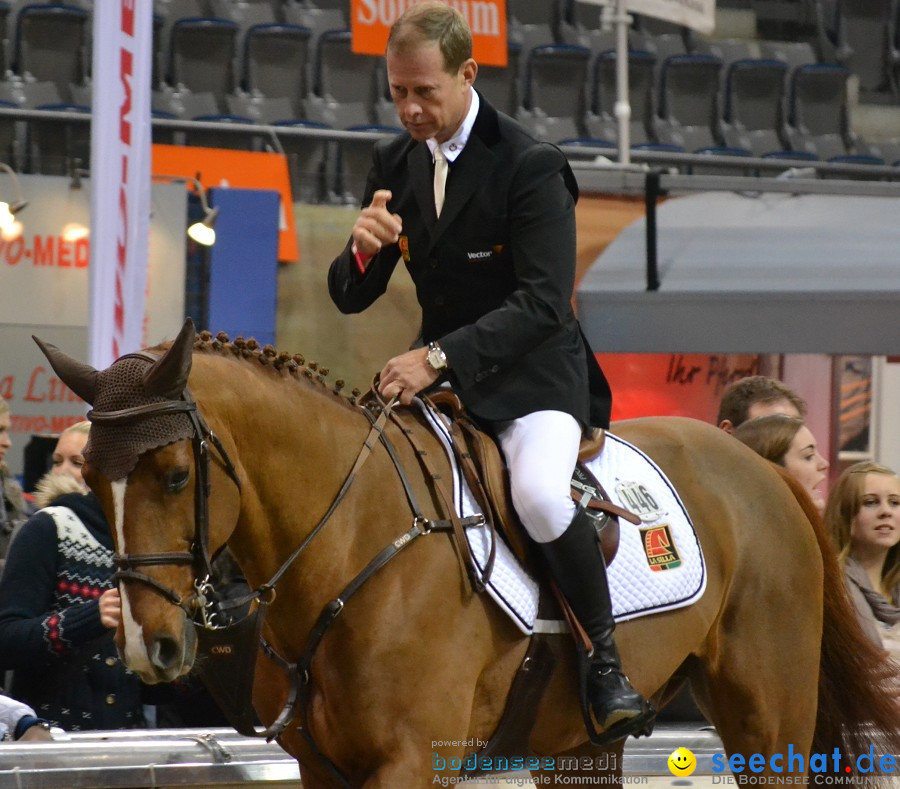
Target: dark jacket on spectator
(64, 661)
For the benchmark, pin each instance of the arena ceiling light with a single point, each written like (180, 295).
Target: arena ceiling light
(8, 211)
(203, 232)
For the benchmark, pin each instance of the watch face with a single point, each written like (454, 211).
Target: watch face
(436, 359)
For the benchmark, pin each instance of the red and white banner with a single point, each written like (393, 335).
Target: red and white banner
(120, 179)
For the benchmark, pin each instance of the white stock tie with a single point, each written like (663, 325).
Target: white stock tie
(440, 178)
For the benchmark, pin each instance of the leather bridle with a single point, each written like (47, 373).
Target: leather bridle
(199, 556)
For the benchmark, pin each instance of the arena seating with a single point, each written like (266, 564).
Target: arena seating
(51, 45)
(752, 115)
(818, 118)
(861, 35)
(687, 113)
(202, 56)
(600, 121)
(553, 102)
(268, 61)
(345, 84)
(500, 84)
(275, 65)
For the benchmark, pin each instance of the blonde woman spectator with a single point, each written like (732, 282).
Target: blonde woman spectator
(863, 515)
(67, 461)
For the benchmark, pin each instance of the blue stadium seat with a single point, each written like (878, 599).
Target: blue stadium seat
(51, 45)
(345, 84)
(818, 116)
(600, 120)
(553, 102)
(202, 56)
(688, 113)
(275, 63)
(752, 115)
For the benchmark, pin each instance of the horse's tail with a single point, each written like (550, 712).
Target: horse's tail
(859, 689)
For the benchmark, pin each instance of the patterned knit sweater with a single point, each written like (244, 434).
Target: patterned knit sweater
(64, 661)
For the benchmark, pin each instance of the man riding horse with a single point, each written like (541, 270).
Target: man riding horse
(489, 241)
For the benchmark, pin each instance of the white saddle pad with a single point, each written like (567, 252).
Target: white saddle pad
(659, 565)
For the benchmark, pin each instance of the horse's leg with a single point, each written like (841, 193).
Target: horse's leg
(758, 681)
(270, 693)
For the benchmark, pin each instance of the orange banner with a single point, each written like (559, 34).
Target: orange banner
(218, 167)
(371, 21)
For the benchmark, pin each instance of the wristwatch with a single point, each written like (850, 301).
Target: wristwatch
(436, 357)
(26, 722)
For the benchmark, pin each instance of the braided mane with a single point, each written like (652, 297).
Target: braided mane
(280, 362)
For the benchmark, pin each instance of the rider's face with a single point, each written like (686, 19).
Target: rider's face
(430, 101)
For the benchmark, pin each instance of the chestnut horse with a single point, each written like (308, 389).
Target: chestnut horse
(417, 667)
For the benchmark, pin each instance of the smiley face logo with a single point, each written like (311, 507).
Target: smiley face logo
(682, 762)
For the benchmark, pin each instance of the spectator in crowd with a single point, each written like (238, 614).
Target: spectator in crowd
(755, 396)
(483, 216)
(67, 458)
(863, 515)
(58, 610)
(19, 722)
(785, 440)
(13, 509)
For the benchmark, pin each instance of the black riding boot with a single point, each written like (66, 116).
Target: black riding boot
(579, 570)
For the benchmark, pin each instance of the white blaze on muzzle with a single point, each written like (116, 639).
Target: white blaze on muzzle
(136, 657)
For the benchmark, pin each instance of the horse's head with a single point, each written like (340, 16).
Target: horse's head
(147, 459)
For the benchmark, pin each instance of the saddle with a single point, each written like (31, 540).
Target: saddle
(482, 464)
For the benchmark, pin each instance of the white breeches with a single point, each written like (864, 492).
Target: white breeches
(541, 450)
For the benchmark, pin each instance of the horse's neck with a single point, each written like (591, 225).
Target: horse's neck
(294, 446)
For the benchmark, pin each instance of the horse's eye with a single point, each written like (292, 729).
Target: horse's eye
(177, 479)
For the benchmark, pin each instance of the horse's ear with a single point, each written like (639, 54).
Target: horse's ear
(168, 376)
(81, 378)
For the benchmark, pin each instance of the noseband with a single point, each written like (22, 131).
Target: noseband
(198, 556)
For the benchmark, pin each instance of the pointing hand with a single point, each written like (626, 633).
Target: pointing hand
(376, 226)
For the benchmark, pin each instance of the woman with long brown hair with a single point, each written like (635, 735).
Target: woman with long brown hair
(863, 515)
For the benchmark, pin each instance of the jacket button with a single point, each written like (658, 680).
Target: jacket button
(111, 661)
(495, 369)
(111, 699)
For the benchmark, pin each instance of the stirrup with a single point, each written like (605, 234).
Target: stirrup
(640, 726)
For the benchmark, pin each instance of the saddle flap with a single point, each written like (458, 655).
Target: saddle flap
(485, 470)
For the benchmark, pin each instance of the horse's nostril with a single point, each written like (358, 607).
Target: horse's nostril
(165, 652)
